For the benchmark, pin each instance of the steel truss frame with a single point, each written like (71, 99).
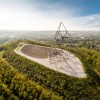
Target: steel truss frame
(57, 55)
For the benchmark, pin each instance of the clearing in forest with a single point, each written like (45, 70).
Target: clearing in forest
(69, 63)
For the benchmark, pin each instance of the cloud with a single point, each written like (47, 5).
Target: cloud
(32, 15)
(90, 22)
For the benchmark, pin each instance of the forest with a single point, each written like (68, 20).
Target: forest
(23, 79)
(16, 86)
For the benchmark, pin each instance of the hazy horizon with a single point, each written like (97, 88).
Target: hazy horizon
(53, 30)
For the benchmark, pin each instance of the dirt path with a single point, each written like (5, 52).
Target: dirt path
(69, 64)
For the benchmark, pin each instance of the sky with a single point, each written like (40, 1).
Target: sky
(47, 14)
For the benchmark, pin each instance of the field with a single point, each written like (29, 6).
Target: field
(61, 61)
(36, 51)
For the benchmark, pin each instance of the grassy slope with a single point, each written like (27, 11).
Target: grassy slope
(66, 86)
(15, 86)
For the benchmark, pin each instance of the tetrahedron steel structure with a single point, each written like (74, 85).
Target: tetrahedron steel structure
(62, 35)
